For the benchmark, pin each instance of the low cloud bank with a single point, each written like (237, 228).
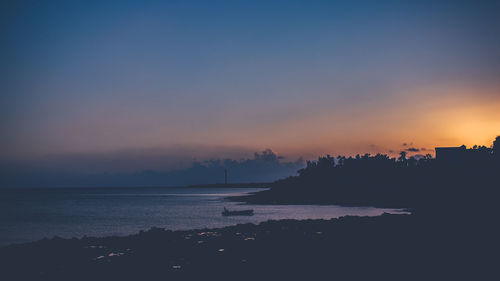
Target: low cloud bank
(262, 167)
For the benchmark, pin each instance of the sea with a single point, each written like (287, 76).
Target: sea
(32, 214)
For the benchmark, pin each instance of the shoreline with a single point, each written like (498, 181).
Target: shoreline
(263, 198)
(388, 247)
(181, 231)
(230, 185)
(187, 252)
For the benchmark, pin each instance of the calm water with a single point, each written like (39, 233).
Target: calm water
(28, 215)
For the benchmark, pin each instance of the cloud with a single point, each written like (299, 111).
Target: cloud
(419, 156)
(410, 147)
(168, 158)
(264, 166)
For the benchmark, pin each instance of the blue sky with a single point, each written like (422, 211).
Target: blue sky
(233, 77)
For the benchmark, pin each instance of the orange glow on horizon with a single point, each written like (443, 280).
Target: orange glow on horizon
(423, 119)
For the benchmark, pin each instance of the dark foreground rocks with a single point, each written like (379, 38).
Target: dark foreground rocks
(389, 247)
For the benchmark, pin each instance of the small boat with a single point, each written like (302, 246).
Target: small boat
(226, 213)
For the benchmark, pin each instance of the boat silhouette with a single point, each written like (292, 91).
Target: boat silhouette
(226, 212)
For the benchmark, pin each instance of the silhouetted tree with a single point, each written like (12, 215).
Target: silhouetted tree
(417, 181)
(402, 159)
(496, 148)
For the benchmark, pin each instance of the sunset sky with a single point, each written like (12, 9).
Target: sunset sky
(201, 79)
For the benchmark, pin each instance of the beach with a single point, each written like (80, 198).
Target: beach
(389, 247)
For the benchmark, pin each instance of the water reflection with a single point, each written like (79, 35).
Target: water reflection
(27, 216)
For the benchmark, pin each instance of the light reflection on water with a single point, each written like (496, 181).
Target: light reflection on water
(28, 215)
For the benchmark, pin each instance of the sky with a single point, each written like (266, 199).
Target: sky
(191, 80)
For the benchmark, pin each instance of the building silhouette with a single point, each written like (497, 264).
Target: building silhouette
(451, 154)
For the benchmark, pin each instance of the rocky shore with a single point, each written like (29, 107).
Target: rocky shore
(388, 247)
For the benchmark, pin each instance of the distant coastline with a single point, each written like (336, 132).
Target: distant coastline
(232, 185)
